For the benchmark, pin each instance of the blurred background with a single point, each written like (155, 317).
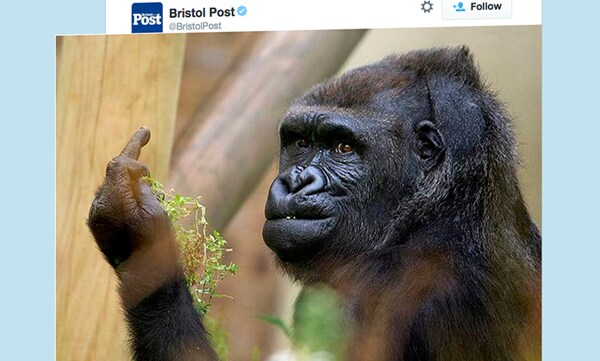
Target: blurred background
(212, 102)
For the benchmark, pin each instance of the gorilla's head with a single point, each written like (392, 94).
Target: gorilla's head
(379, 150)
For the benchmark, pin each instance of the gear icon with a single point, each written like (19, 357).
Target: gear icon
(427, 6)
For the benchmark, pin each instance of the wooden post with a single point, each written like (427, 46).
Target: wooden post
(209, 58)
(227, 152)
(229, 146)
(107, 87)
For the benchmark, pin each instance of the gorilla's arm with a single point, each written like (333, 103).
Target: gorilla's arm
(134, 234)
(165, 326)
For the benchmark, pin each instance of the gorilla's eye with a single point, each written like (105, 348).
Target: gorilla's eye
(344, 148)
(302, 143)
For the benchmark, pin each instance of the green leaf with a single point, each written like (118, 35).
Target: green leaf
(319, 322)
(278, 322)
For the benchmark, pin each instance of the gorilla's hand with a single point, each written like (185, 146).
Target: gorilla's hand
(129, 225)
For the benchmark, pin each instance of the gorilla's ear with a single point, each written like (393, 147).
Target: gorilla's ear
(430, 143)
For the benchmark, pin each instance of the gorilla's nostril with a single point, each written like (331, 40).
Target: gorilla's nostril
(305, 180)
(296, 178)
(312, 181)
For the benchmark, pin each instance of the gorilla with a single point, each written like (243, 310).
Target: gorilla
(397, 188)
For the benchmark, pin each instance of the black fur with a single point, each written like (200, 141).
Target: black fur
(165, 326)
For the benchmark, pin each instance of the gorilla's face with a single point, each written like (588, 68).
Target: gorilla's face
(349, 155)
(322, 165)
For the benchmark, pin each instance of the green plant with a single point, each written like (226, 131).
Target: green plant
(219, 339)
(201, 251)
(320, 330)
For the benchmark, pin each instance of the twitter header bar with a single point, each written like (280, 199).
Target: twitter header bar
(123, 17)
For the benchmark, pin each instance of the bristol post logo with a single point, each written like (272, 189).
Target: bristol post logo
(147, 18)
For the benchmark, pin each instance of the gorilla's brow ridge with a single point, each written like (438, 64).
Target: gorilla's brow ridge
(323, 126)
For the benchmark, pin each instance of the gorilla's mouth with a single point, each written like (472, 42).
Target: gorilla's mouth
(311, 208)
(294, 217)
(295, 237)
